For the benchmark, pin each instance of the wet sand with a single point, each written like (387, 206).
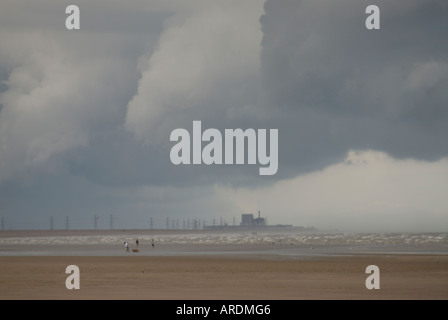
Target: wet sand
(225, 278)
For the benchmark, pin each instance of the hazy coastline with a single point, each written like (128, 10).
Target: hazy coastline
(276, 242)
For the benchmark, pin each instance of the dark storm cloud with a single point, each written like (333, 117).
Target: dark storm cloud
(347, 87)
(327, 83)
(85, 116)
(65, 94)
(62, 91)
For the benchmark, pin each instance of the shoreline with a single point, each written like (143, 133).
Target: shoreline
(223, 242)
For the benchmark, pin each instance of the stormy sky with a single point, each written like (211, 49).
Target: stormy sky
(362, 115)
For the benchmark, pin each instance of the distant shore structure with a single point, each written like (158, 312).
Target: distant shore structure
(249, 222)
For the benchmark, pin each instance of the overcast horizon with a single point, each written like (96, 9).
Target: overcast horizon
(362, 115)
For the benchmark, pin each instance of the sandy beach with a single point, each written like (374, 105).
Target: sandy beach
(217, 277)
(222, 265)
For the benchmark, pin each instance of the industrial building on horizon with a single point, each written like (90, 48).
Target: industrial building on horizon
(248, 221)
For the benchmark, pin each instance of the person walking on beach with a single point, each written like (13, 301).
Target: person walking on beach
(127, 246)
(152, 242)
(136, 242)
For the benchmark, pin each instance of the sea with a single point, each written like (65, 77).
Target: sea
(282, 243)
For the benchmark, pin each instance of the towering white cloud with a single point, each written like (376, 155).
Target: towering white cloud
(204, 54)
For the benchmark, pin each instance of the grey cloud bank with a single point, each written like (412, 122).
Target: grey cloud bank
(86, 115)
(351, 88)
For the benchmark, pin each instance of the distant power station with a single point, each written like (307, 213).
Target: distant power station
(247, 220)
